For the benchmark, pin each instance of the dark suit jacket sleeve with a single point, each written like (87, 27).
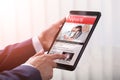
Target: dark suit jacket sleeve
(21, 73)
(16, 54)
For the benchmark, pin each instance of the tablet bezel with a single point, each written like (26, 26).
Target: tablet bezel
(85, 13)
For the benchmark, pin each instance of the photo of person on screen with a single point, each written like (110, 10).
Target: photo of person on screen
(85, 31)
(74, 33)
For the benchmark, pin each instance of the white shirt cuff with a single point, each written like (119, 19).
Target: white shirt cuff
(36, 44)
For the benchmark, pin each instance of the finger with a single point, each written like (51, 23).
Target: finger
(50, 60)
(54, 65)
(60, 22)
(51, 74)
(57, 56)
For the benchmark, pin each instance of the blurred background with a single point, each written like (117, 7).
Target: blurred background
(23, 19)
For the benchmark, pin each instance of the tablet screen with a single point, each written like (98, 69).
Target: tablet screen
(72, 37)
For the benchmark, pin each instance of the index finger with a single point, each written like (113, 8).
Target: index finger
(58, 56)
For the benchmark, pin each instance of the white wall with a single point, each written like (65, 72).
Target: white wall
(22, 19)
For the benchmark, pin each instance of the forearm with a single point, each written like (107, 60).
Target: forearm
(16, 54)
(22, 72)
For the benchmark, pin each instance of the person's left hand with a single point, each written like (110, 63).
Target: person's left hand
(44, 63)
(47, 36)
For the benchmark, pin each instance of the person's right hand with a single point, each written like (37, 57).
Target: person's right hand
(45, 63)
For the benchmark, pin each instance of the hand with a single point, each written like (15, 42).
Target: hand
(44, 63)
(47, 36)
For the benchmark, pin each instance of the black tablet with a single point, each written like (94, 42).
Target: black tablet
(73, 37)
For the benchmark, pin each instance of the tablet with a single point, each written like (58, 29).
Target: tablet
(73, 37)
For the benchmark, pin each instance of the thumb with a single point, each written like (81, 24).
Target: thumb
(60, 22)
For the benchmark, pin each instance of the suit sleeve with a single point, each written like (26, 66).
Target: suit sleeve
(16, 54)
(21, 73)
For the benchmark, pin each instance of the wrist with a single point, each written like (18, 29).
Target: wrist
(42, 41)
(29, 72)
(37, 44)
